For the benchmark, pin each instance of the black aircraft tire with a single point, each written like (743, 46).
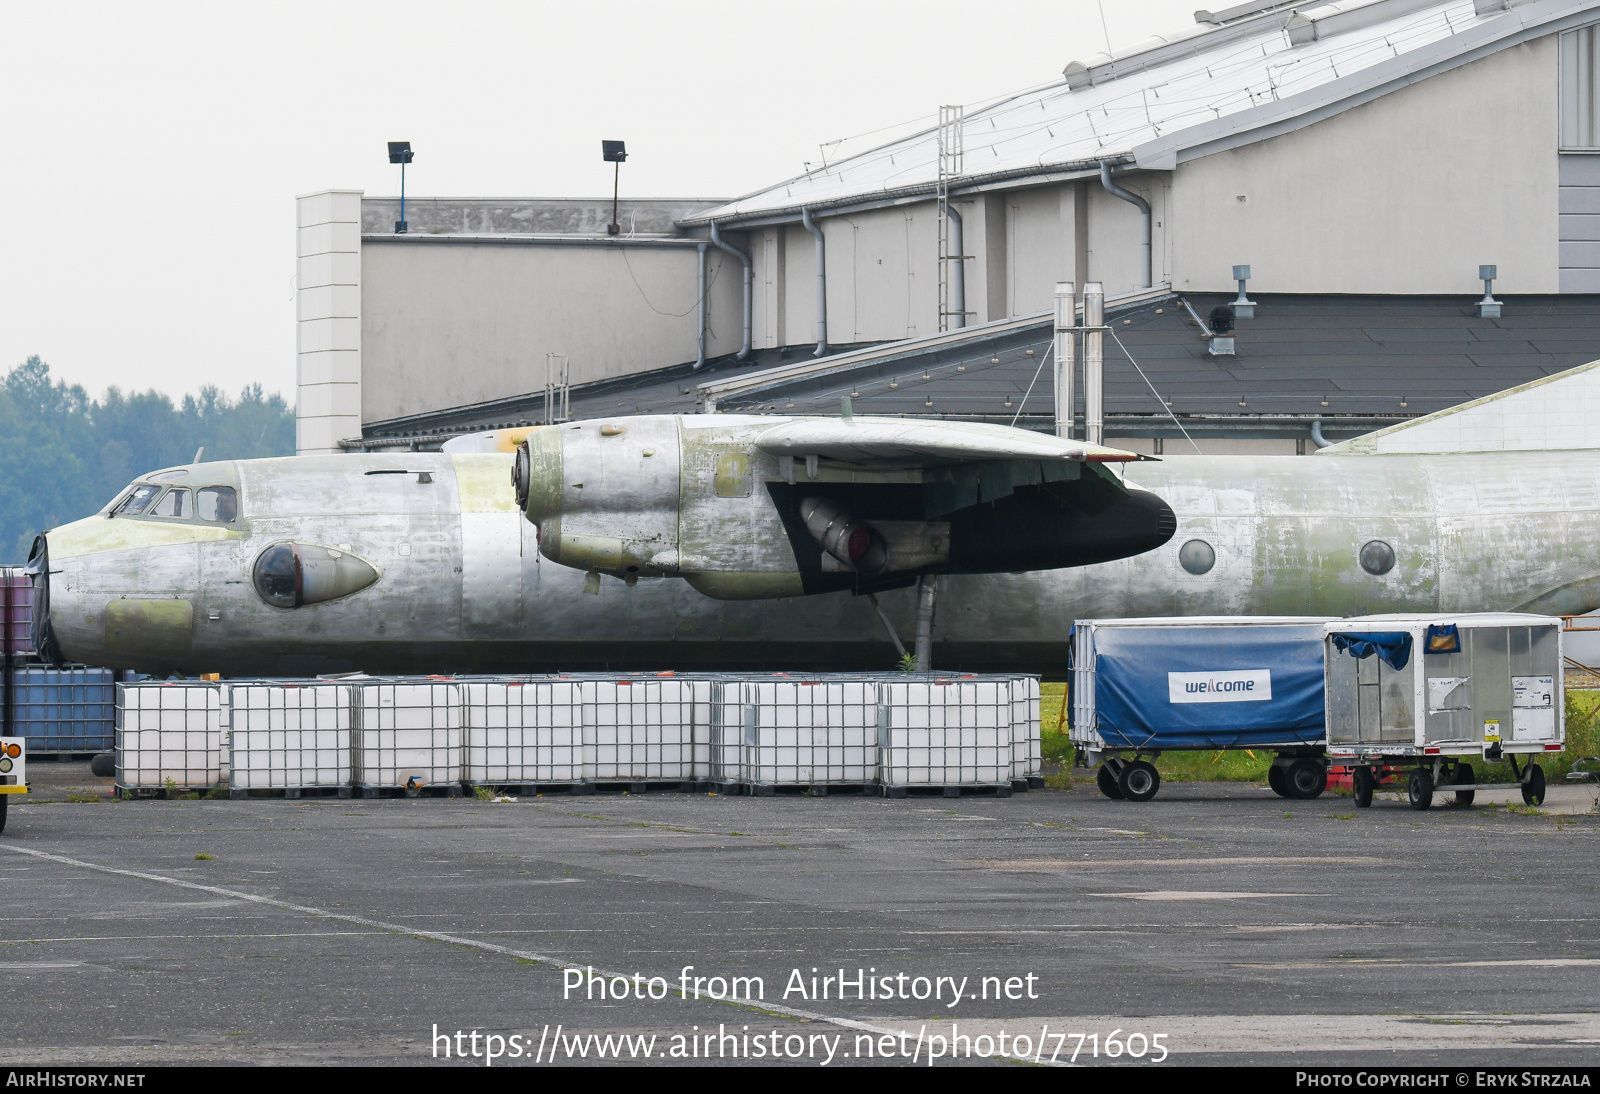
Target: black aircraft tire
(1419, 789)
(1307, 779)
(1276, 780)
(104, 766)
(1139, 781)
(1107, 782)
(4, 799)
(1465, 776)
(1361, 783)
(1533, 789)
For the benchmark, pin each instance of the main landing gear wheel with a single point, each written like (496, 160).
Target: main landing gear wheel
(1276, 780)
(1107, 782)
(1307, 779)
(1465, 776)
(1139, 781)
(1362, 782)
(1533, 786)
(1419, 789)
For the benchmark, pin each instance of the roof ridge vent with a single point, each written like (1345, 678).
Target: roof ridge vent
(1316, 23)
(1244, 11)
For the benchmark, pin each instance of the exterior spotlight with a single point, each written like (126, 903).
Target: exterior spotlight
(614, 152)
(400, 152)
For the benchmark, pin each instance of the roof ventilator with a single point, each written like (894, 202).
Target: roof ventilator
(1488, 307)
(1243, 308)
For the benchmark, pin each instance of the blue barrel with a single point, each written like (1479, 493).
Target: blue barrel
(64, 710)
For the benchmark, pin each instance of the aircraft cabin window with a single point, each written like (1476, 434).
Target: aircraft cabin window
(1376, 557)
(1197, 556)
(219, 504)
(137, 501)
(174, 503)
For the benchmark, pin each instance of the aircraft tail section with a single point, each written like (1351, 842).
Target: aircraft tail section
(1557, 412)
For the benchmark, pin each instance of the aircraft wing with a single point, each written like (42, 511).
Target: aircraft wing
(866, 440)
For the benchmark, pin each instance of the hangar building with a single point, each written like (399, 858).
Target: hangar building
(1364, 158)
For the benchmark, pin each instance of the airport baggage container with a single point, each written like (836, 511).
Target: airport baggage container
(64, 711)
(288, 737)
(1140, 687)
(641, 729)
(523, 731)
(950, 732)
(169, 736)
(407, 736)
(1430, 692)
(811, 732)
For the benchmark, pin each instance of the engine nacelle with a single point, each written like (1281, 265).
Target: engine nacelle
(697, 497)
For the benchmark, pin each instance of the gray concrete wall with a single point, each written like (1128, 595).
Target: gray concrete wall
(1406, 194)
(529, 216)
(448, 324)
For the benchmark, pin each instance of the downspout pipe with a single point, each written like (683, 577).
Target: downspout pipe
(749, 300)
(700, 323)
(958, 274)
(822, 281)
(1144, 216)
(1316, 435)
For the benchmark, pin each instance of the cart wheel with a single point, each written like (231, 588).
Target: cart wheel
(1361, 782)
(1107, 782)
(1419, 789)
(1465, 777)
(1139, 781)
(1276, 780)
(1533, 788)
(1307, 779)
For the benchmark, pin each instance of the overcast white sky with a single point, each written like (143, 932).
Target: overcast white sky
(152, 151)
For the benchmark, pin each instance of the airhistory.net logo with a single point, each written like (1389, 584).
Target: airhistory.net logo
(1238, 686)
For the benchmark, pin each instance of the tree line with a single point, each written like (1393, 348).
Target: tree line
(64, 455)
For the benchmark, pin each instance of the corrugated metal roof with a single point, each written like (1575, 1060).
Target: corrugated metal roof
(1148, 105)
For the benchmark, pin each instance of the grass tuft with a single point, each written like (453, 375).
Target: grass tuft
(203, 857)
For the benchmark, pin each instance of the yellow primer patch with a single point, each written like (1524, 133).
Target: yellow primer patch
(483, 480)
(97, 533)
(156, 628)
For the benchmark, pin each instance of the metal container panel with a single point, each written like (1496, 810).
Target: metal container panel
(1027, 742)
(64, 710)
(809, 732)
(944, 733)
(641, 729)
(289, 736)
(169, 735)
(16, 611)
(524, 731)
(407, 734)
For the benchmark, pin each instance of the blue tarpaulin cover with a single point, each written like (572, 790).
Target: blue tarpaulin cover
(1208, 686)
(1443, 638)
(1392, 647)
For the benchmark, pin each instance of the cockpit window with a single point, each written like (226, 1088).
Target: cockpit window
(136, 501)
(174, 503)
(219, 504)
(277, 576)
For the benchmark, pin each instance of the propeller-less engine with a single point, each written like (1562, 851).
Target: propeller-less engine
(746, 507)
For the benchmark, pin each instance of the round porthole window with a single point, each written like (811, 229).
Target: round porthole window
(1377, 557)
(1197, 557)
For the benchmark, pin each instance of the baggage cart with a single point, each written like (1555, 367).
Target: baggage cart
(1430, 692)
(1140, 687)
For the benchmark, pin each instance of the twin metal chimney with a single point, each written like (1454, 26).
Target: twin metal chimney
(1067, 329)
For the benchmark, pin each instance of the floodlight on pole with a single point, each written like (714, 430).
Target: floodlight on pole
(400, 152)
(614, 152)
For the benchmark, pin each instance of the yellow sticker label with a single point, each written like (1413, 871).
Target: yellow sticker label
(1491, 729)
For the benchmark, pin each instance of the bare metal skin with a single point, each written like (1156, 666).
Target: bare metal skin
(461, 584)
